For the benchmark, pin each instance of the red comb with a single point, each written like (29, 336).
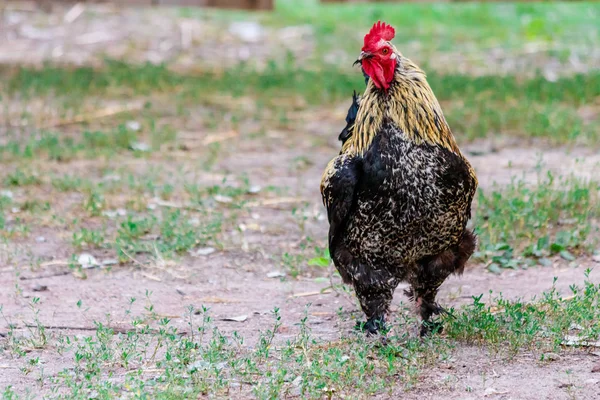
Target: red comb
(380, 30)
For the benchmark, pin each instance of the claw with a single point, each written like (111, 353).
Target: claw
(431, 328)
(427, 311)
(373, 326)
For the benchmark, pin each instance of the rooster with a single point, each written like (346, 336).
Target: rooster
(398, 196)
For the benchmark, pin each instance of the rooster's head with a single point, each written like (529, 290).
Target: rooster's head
(378, 56)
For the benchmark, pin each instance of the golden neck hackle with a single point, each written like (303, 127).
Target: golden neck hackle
(410, 104)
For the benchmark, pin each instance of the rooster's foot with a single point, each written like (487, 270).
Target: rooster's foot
(430, 328)
(373, 326)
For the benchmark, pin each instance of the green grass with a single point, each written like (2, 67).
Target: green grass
(508, 103)
(85, 238)
(68, 183)
(552, 217)
(509, 326)
(441, 27)
(174, 234)
(20, 178)
(154, 359)
(57, 146)
(120, 214)
(280, 79)
(84, 80)
(475, 106)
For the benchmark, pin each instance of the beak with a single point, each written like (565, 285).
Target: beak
(362, 56)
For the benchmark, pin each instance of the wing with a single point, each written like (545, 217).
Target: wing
(338, 188)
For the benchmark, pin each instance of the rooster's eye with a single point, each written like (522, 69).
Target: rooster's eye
(385, 51)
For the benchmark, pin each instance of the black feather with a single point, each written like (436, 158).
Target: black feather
(366, 77)
(350, 118)
(340, 190)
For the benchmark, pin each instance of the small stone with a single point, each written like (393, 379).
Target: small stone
(6, 193)
(596, 258)
(15, 210)
(205, 251)
(275, 274)
(223, 199)
(109, 261)
(39, 288)
(87, 260)
(550, 75)
(494, 268)
(121, 212)
(140, 146)
(551, 357)
(111, 177)
(40, 239)
(240, 318)
(566, 255)
(133, 126)
(545, 262)
(205, 365)
(575, 327)
(254, 189)
(491, 392)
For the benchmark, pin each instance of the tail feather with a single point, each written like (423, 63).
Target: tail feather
(466, 248)
(350, 118)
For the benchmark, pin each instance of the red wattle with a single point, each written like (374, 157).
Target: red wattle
(382, 75)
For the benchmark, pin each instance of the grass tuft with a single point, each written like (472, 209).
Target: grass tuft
(556, 216)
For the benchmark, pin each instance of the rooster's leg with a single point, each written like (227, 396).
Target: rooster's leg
(375, 291)
(432, 272)
(428, 308)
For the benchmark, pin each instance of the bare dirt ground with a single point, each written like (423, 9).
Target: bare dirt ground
(234, 281)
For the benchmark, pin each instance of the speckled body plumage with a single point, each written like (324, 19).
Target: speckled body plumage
(399, 197)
